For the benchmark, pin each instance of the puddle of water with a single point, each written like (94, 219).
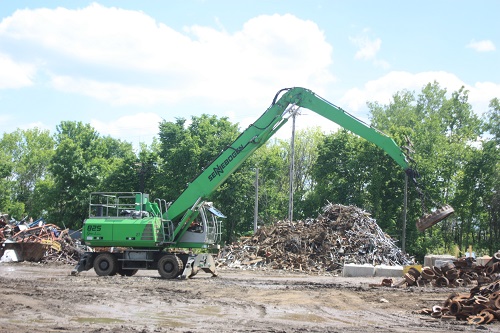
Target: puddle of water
(209, 310)
(159, 316)
(43, 321)
(312, 318)
(173, 323)
(83, 320)
(165, 319)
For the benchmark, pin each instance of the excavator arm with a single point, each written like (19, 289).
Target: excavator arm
(258, 133)
(309, 100)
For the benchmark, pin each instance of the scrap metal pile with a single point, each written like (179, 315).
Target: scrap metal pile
(37, 241)
(461, 273)
(481, 305)
(341, 234)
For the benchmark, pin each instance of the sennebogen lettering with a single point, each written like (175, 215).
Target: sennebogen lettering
(219, 168)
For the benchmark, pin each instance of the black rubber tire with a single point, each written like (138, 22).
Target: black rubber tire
(170, 266)
(106, 264)
(127, 272)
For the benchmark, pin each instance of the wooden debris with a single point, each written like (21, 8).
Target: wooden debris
(341, 234)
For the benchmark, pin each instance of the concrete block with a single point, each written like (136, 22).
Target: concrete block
(9, 256)
(388, 271)
(441, 262)
(354, 270)
(481, 261)
(430, 259)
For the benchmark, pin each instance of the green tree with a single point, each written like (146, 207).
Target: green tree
(442, 130)
(490, 184)
(271, 161)
(82, 163)
(124, 170)
(384, 189)
(305, 157)
(29, 153)
(185, 150)
(236, 197)
(5, 188)
(339, 174)
(492, 120)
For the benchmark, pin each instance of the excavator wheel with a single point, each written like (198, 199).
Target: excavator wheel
(431, 219)
(170, 266)
(105, 264)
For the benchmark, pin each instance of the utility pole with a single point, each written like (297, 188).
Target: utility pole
(292, 163)
(409, 153)
(256, 207)
(403, 242)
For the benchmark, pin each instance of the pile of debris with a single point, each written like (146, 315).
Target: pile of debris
(481, 305)
(36, 241)
(341, 234)
(460, 273)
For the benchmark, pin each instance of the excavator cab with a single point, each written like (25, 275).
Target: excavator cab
(205, 228)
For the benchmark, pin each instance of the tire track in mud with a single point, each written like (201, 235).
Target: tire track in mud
(353, 313)
(47, 299)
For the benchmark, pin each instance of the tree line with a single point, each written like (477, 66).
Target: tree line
(455, 151)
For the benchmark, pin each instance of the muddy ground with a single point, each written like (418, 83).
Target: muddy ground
(46, 298)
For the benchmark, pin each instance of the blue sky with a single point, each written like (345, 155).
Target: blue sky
(123, 66)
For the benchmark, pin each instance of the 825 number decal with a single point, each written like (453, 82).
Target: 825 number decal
(94, 228)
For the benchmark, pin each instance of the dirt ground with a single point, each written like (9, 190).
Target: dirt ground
(46, 298)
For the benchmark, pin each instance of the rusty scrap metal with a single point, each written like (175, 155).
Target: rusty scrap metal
(459, 273)
(341, 234)
(431, 219)
(39, 241)
(481, 305)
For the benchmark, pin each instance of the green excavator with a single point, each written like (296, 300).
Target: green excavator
(131, 232)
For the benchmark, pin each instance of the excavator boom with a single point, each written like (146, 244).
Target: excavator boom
(265, 127)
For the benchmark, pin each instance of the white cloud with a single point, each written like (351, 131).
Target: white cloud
(381, 64)
(94, 34)
(156, 64)
(481, 93)
(4, 118)
(368, 49)
(383, 89)
(38, 124)
(143, 123)
(114, 93)
(140, 127)
(6, 123)
(14, 74)
(482, 45)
